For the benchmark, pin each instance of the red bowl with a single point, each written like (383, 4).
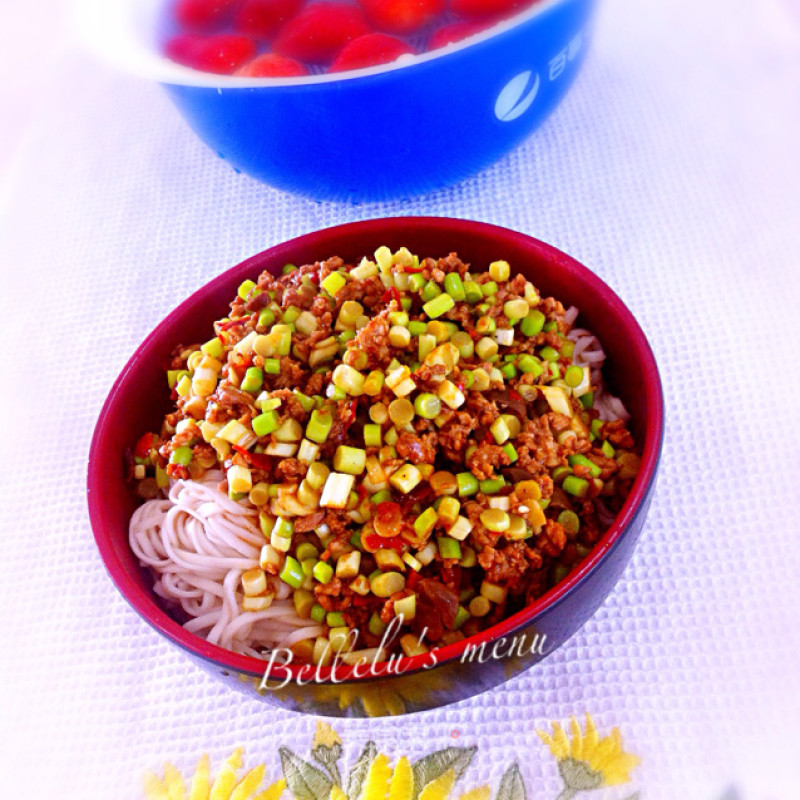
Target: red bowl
(138, 400)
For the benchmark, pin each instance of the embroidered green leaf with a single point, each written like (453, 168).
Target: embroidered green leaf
(359, 772)
(304, 781)
(512, 786)
(436, 764)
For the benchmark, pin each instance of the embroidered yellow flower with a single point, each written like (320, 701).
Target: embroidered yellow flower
(325, 735)
(384, 783)
(587, 761)
(226, 786)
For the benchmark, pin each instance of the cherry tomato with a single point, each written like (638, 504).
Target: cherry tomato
(203, 14)
(271, 65)
(262, 18)
(368, 51)
(320, 31)
(486, 8)
(402, 16)
(222, 54)
(454, 33)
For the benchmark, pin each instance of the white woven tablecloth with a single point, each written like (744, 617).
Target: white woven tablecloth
(672, 170)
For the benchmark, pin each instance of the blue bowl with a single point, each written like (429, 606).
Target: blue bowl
(393, 131)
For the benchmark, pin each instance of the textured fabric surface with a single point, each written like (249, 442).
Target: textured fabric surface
(672, 170)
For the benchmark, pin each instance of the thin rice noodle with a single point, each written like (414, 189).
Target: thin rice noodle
(588, 352)
(198, 542)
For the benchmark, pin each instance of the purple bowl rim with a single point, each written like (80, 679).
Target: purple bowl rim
(144, 603)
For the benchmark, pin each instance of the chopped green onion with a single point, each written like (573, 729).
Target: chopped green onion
(318, 613)
(570, 521)
(509, 370)
(573, 376)
(417, 328)
(509, 450)
(608, 450)
(372, 435)
(245, 288)
(265, 423)
(381, 497)
(253, 380)
(533, 323)
(292, 572)
(376, 625)
(587, 400)
(334, 619)
(306, 550)
(448, 548)
(428, 406)
(424, 523)
(398, 318)
(265, 318)
(472, 292)
(333, 283)
(323, 572)
(576, 486)
(568, 348)
(492, 485)
(467, 484)
(489, 288)
(319, 426)
(549, 353)
(462, 615)
(580, 460)
(181, 456)
(288, 268)
(438, 306)
(430, 290)
(530, 365)
(416, 282)
(454, 286)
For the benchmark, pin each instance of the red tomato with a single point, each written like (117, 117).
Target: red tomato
(454, 33)
(144, 445)
(271, 65)
(222, 54)
(402, 16)
(320, 31)
(486, 8)
(262, 18)
(203, 14)
(369, 50)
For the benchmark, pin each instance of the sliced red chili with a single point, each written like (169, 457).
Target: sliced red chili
(391, 294)
(232, 323)
(144, 445)
(258, 460)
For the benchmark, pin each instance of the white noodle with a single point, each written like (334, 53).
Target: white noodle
(198, 542)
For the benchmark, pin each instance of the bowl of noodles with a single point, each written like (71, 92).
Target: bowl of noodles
(381, 467)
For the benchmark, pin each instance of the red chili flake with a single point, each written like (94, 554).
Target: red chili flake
(351, 414)
(514, 395)
(413, 270)
(361, 492)
(489, 438)
(413, 579)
